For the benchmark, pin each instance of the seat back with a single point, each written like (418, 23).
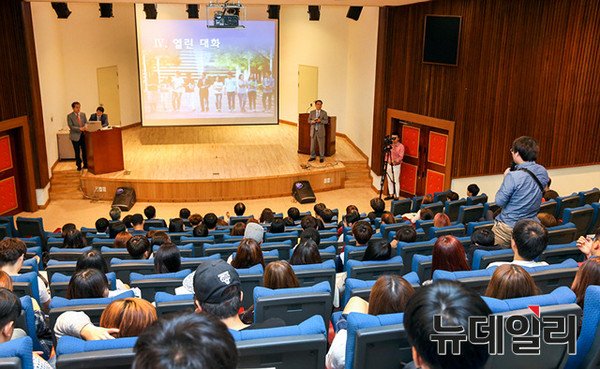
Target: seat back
(114, 354)
(483, 258)
(479, 199)
(67, 254)
(581, 217)
(55, 266)
(399, 207)
(470, 213)
(425, 225)
(155, 223)
(588, 342)
(8, 221)
(283, 248)
(168, 303)
(548, 280)
(293, 305)
(589, 197)
(549, 207)
(407, 250)
(295, 347)
(490, 206)
(452, 208)
(150, 284)
(422, 265)
(435, 207)
(282, 237)
(17, 353)
(595, 224)
(123, 268)
(249, 279)
(565, 233)
(362, 289)
(385, 229)
(193, 263)
(454, 230)
(31, 227)
(225, 250)
(473, 226)
(555, 254)
(416, 203)
(369, 270)
(566, 202)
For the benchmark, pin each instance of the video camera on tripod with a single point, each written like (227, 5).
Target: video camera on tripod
(387, 143)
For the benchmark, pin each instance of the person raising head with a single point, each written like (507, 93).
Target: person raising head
(509, 282)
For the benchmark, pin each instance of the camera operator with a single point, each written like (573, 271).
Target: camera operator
(394, 158)
(520, 194)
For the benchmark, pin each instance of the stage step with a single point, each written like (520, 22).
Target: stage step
(354, 183)
(64, 184)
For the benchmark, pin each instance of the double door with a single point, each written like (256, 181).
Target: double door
(10, 196)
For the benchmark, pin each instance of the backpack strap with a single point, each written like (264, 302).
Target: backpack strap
(534, 178)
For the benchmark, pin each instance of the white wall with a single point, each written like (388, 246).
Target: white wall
(345, 52)
(564, 181)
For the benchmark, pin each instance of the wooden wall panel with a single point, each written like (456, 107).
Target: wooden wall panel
(525, 68)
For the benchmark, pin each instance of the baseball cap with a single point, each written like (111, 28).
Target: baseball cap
(212, 278)
(254, 231)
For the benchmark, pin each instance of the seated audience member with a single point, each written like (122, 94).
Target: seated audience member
(6, 281)
(127, 222)
(427, 199)
(510, 281)
(472, 190)
(455, 303)
(362, 232)
(67, 228)
(482, 239)
(278, 274)
(12, 255)
(388, 218)
(308, 221)
(289, 222)
(252, 220)
(426, 214)
(210, 220)
(254, 231)
(114, 213)
(10, 309)
(452, 196)
(195, 219)
(588, 246)
(173, 341)
(406, 233)
(139, 247)
(150, 212)
(239, 209)
(248, 254)
(587, 275)
(159, 238)
(294, 213)
(201, 230)
(176, 225)
(327, 216)
(121, 239)
(167, 259)
(101, 226)
(184, 213)
(93, 259)
(127, 317)
(115, 228)
(266, 217)
(378, 250)
(529, 239)
(88, 284)
(310, 234)
(74, 239)
(222, 222)
(378, 206)
(441, 220)
(389, 295)
(449, 255)
(278, 226)
(547, 220)
(237, 230)
(318, 208)
(550, 195)
(217, 291)
(137, 220)
(306, 252)
(348, 222)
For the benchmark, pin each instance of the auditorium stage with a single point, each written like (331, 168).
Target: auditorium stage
(219, 163)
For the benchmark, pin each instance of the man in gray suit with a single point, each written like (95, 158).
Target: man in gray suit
(78, 125)
(317, 119)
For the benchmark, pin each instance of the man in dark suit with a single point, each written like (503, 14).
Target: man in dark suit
(78, 125)
(317, 119)
(100, 116)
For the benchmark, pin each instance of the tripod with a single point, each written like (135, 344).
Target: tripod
(386, 155)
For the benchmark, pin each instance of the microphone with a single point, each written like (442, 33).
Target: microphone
(310, 106)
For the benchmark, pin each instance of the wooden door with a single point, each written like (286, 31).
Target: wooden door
(108, 93)
(308, 87)
(10, 197)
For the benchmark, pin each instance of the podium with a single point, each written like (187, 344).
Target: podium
(104, 149)
(304, 135)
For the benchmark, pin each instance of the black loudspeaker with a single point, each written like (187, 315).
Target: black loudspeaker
(150, 10)
(106, 10)
(314, 12)
(62, 10)
(124, 198)
(273, 11)
(303, 193)
(192, 10)
(354, 12)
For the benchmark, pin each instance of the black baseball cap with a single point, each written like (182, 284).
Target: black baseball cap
(212, 278)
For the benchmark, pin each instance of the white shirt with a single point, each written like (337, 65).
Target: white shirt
(523, 263)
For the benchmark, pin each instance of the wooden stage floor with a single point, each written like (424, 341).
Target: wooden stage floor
(221, 163)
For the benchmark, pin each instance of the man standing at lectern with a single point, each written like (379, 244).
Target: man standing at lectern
(317, 119)
(77, 126)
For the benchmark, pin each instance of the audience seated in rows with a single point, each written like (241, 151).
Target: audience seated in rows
(378, 250)
(115, 228)
(150, 212)
(266, 217)
(184, 213)
(186, 340)
(472, 190)
(248, 254)
(277, 226)
(195, 219)
(101, 226)
(254, 231)
(547, 220)
(121, 239)
(481, 239)
(74, 239)
(176, 225)
(427, 199)
(441, 220)
(139, 247)
(127, 222)
(388, 218)
(237, 230)
(210, 220)
(588, 246)
(66, 228)
(310, 234)
(389, 295)
(239, 209)
(115, 213)
(201, 230)
(137, 220)
(362, 232)
(449, 255)
(529, 239)
(294, 213)
(406, 233)
(511, 281)
(167, 259)
(587, 275)
(306, 252)
(378, 206)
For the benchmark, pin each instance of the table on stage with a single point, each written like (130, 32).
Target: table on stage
(304, 135)
(104, 150)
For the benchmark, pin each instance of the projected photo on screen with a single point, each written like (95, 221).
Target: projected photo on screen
(192, 75)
